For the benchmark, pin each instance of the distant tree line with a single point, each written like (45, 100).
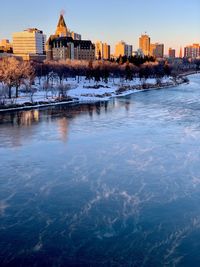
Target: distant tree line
(100, 70)
(135, 60)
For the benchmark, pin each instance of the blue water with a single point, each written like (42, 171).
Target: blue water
(110, 184)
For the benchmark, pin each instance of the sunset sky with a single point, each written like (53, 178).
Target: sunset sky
(172, 22)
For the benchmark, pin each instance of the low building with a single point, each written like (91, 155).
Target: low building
(6, 46)
(84, 50)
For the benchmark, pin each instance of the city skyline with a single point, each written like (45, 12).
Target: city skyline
(175, 23)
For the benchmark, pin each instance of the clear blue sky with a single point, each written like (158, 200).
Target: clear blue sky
(172, 22)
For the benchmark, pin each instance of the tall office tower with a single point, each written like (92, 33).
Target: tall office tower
(106, 51)
(157, 50)
(123, 49)
(29, 42)
(172, 53)
(99, 50)
(144, 44)
(102, 51)
(128, 50)
(180, 53)
(192, 51)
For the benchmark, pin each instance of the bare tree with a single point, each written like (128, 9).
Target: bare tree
(63, 90)
(9, 72)
(29, 77)
(3, 93)
(13, 72)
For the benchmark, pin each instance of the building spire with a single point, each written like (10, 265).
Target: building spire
(61, 22)
(61, 27)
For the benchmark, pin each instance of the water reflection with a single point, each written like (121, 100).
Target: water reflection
(63, 128)
(24, 124)
(27, 118)
(21, 118)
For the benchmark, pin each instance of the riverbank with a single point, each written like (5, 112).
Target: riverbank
(91, 92)
(188, 73)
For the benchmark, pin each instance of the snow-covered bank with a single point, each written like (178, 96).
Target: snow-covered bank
(85, 91)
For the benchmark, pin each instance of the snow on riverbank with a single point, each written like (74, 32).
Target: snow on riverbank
(86, 91)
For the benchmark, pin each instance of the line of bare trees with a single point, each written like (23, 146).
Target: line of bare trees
(100, 70)
(14, 73)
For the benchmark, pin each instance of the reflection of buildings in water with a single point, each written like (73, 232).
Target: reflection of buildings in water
(120, 102)
(63, 128)
(18, 122)
(90, 111)
(24, 118)
(29, 117)
(63, 115)
(98, 108)
(127, 105)
(71, 112)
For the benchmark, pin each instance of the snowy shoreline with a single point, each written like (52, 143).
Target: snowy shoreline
(89, 94)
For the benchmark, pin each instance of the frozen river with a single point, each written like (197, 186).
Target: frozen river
(112, 184)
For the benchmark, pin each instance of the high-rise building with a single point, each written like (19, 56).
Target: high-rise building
(144, 44)
(102, 51)
(152, 49)
(123, 49)
(172, 53)
(99, 50)
(192, 51)
(120, 49)
(180, 53)
(128, 50)
(30, 42)
(106, 51)
(157, 50)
